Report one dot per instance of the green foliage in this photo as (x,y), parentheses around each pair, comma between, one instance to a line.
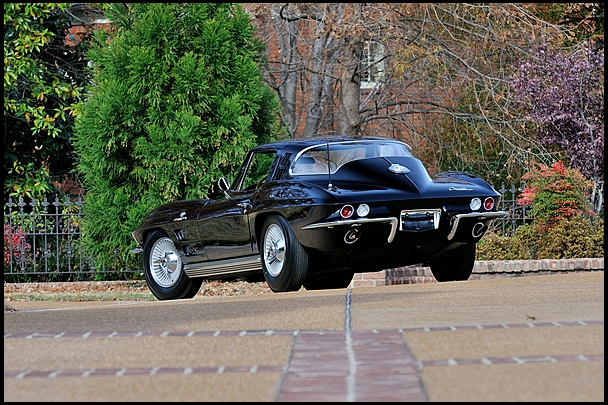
(556,193)
(42,84)
(576,237)
(498,247)
(177,100)
(466,146)
(260,166)
(28,181)
(564,225)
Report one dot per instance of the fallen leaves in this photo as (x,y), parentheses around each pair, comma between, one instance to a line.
(208,288)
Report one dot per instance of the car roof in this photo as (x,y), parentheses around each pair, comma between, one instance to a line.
(295,145)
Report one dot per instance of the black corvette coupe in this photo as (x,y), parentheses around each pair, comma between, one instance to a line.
(312,212)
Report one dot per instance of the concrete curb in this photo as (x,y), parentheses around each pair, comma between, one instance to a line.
(482,269)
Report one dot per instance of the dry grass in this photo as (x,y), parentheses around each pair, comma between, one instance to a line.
(134,290)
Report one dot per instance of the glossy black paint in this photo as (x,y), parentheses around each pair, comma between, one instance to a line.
(209,231)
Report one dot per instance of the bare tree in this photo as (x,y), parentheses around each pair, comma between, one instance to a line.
(315,68)
(440,84)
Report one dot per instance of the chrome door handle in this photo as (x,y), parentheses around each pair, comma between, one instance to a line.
(244,205)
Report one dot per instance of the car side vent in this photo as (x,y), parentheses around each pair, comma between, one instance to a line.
(283,166)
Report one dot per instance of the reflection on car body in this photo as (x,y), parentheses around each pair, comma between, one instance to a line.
(312,212)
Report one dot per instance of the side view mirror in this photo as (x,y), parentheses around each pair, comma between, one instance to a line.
(224,185)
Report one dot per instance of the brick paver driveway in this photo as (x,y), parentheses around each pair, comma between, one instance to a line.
(538,338)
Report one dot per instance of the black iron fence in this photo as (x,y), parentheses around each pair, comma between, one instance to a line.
(518,214)
(43,237)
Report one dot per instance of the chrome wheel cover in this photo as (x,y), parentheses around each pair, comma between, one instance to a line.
(274,250)
(165,265)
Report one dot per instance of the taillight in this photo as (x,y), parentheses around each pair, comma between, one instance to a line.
(363,210)
(475,204)
(347,211)
(488,203)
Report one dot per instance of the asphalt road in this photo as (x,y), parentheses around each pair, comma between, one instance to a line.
(537,338)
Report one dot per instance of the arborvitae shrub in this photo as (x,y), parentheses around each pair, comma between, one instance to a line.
(176,100)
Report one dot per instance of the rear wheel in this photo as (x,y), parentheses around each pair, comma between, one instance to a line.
(164,270)
(284,260)
(339,279)
(456,266)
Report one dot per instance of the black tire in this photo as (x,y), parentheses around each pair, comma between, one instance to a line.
(284,260)
(326,281)
(456,266)
(164,270)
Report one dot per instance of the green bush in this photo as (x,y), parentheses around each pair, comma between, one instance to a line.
(497,247)
(572,238)
(565,226)
(556,193)
(176,100)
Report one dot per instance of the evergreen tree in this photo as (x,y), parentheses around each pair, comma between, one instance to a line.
(176,101)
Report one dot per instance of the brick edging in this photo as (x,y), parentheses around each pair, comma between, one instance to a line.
(421,274)
(482,269)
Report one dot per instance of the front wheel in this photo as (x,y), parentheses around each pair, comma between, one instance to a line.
(457,265)
(284,260)
(164,270)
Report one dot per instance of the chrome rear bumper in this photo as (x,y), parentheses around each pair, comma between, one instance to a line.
(478,216)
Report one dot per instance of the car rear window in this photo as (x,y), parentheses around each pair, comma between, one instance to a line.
(314,160)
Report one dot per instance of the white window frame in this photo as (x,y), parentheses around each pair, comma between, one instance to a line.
(372,64)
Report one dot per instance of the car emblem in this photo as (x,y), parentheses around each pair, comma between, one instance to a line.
(398,169)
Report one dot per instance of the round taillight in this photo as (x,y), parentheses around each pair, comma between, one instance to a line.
(347,211)
(363,210)
(488,203)
(475,204)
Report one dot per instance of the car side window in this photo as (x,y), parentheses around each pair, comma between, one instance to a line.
(314,161)
(258,170)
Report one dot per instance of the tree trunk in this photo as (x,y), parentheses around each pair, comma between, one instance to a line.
(288,81)
(349,119)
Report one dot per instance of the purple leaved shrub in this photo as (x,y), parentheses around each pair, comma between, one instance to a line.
(563,93)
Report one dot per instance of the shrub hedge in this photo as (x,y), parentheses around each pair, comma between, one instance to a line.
(571,238)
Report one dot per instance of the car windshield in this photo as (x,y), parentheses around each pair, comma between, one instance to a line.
(314,159)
